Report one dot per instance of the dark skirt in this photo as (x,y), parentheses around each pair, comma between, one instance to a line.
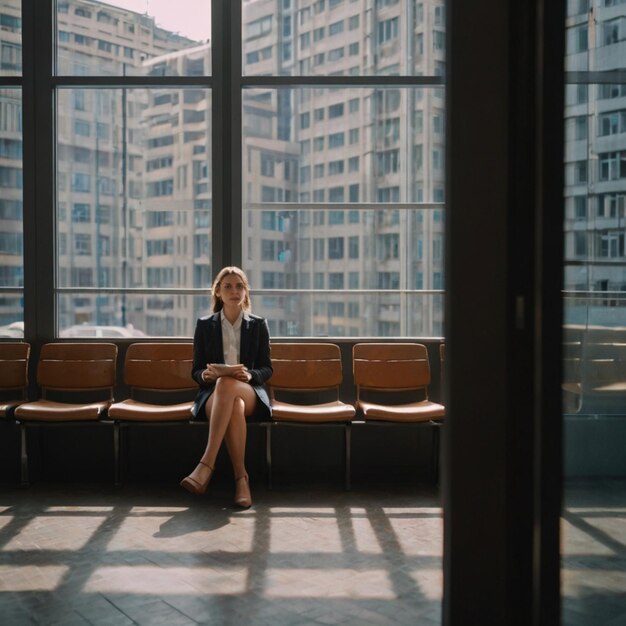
(262,411)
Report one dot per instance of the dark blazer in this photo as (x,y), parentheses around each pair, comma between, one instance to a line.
(254,354)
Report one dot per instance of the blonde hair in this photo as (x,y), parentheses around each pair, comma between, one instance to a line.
(217,304)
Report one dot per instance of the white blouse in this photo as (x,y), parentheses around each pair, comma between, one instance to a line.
(231,338)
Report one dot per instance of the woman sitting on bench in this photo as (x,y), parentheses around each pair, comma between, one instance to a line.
(231,362)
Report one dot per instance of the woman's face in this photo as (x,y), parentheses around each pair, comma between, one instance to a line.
(231,290)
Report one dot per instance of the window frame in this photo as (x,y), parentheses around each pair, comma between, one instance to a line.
(40,86)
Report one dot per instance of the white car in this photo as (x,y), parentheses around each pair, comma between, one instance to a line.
(86,330)
(14,330)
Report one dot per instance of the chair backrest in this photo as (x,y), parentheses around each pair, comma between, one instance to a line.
(159,366)
(305,366)
(14,365)
(390,366)
(77,366)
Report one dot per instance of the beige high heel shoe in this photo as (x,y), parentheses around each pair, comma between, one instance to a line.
(243,498)
(193,484)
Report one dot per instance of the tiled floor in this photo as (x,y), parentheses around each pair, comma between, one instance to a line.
(144,555)
(593,533)
(70,554)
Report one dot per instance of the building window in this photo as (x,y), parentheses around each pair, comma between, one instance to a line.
(335,218)
(335,28)
(580,172)
(258,28)
(336,140)
(580,244)
(611,244)
(335,110)
(611,123)
(335,168)
(388,30)
(335,247)
(81,213)
(387,161)
(82,244)
(318,249)
(335,280)
(612,165)
(336,194)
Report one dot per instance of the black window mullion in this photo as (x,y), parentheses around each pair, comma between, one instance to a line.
(226,128)
(38,124)
(235,209)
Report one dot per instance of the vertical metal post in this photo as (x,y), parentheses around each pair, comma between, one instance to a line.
(116,453)
(348,454)
(23,456)
(268,453)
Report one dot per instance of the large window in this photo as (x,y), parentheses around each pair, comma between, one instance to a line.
(335,186)
(348,180)
(141,188)
(133,169)
(594,334)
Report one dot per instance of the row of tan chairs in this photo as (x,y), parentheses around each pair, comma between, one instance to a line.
(77,380)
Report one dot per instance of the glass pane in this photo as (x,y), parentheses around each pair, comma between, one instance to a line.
(595,35)
(343,38)
(147,315)
(336,197)
(134,38)
(10,37)
(11,223)
(594,334)
(134,202)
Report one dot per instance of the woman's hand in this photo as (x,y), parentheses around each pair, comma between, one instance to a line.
(239,372)
(242,374)
(209,375)
(214,371)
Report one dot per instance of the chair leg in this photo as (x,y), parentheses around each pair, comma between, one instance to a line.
(268,453)
(116,453)
(23,456)
(348,453)
(435,453)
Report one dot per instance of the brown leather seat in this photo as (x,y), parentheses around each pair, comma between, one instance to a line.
(397,369)
(156,369)
(392,368)
(74,368)
(84,373)
(306,370)
(13,376)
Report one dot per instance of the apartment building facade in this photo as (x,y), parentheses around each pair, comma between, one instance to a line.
(342,215)
(595,174)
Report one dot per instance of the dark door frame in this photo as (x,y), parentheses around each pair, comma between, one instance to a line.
(502,437)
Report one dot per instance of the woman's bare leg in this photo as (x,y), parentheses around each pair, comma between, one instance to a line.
(228,405)
(235,439)
(231,399)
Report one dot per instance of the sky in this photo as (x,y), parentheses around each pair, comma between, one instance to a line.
(191,18)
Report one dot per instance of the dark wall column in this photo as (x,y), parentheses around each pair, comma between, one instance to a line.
(39,195)
(502,312)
